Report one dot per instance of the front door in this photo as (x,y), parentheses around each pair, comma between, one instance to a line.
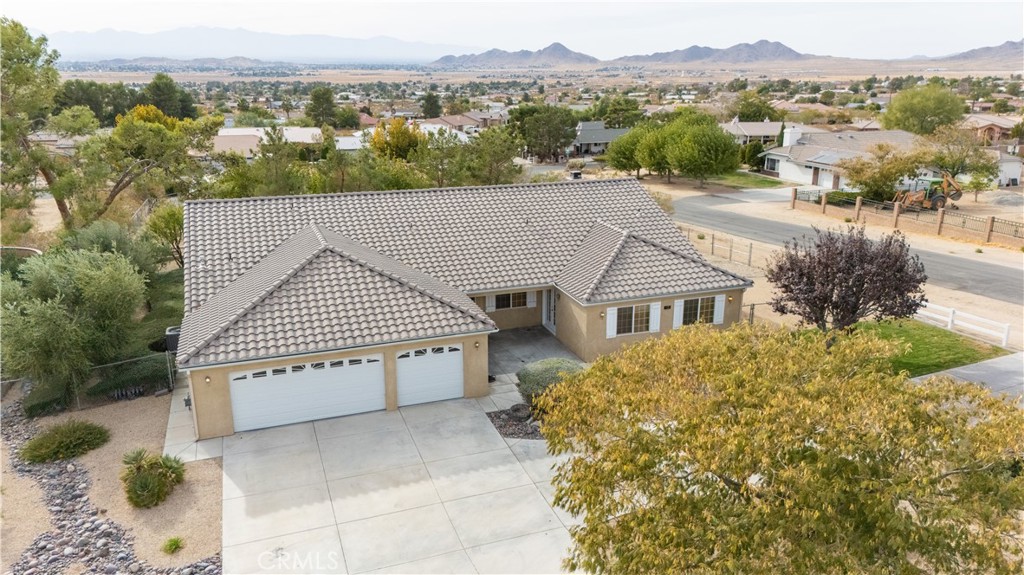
(549,310)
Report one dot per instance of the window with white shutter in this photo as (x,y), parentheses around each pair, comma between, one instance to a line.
(611,322)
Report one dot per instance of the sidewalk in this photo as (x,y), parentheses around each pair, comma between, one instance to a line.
(1002,375)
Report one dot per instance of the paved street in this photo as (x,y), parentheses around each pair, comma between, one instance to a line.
(990,280)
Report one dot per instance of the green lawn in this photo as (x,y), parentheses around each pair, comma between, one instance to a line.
(742,180)
(932,348)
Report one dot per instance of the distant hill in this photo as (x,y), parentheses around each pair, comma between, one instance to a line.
(1007,50)
(554,55)
(234,63)
(205,42)
(760,51)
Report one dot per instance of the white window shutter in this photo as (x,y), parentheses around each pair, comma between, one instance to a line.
(677,314)
(719,309)
(531,299)
(610,317)
(489,303)
(655,317)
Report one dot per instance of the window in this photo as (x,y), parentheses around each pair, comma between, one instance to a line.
(338,363)
(355,362)
(771,164)
(695,310)
(317,365)
(279,371)
(259,374)
(298,368)
(633,319)
(510,300)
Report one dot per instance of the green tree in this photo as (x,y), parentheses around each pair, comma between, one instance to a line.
(827,97)
(321,108)
(431,105)
(110,237)
(549,131)
(835,279)
(622,152)
(164,93)
(441,156)
(652,151)
(923,109)
(752,155)
(490,156)
(958,151)
(167,225)
(758,450)
(287,106)
(618,112)
(703,151)
(876,176)
(750,107)
(346,117)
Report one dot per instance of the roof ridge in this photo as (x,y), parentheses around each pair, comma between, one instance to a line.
(563,183)
(259,297)
(608,262)
(671,250)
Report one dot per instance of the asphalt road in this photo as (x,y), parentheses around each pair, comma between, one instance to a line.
(988,280)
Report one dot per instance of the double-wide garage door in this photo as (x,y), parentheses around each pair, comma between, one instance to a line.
(324,389)
(307,391)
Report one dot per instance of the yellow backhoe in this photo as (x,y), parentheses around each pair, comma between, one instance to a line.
(931,193)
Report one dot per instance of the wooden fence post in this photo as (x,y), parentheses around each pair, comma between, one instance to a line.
(938,221)
(988,228)
(896,215)
(856,209)
(824,201)
(792,199)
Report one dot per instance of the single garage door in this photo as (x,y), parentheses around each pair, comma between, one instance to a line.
(429,374)
(307,391)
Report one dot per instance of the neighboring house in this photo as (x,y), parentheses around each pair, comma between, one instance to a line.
(765,132)
(990,127)
(1009,167)
(306,307)
(593,138)
(246,141)
(867,125)
(366,120)
(458,122)
(435,128)
(490,118)
(811,158)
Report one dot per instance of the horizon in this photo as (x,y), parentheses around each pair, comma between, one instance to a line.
(638,28)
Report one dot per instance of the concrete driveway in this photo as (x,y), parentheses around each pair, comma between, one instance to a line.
(426,489)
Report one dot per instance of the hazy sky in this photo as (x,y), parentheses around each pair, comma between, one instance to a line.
(602,29)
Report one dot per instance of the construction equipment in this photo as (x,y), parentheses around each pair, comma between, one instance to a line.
(930,193)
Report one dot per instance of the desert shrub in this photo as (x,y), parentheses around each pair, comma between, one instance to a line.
(536,377)
(576,164)
(148,478)
(173,545)
(64,441)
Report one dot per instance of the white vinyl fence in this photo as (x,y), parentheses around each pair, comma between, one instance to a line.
(950,319)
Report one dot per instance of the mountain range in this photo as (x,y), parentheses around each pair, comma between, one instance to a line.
(235,45)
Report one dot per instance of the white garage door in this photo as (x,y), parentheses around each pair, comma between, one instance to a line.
(429,374)
(307,391)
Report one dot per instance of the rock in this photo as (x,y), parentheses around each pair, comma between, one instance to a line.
(50,547)
(186,571)
(101,543)
(134,568)
(41,545)
(70,468)
(83,542)
(110,569)
(102,552)
(210,569)
(69,551)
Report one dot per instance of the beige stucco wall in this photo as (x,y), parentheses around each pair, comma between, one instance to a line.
(583,329)
(211,391)
(514,317)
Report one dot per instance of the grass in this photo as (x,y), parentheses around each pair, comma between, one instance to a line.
(173,545)
(932,348)
(64,441)
(744,180)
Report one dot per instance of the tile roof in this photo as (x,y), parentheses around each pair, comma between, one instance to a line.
(763,129)
(320,291)
(474,239)
(614,264)
(829,148)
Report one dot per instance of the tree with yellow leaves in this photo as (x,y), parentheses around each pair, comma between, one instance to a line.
(395,138)
(760,450)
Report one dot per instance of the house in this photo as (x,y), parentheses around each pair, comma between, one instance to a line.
(593,138)
(765,132)
(989,127)
(812,158)
(457,122)
(490,118)
(867,125)
(246,141)
(1009,166)
(315,306)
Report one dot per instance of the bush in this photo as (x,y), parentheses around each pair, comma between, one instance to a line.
(107,236)
(149,373)
(535,378)
(64,441)
(840,198)
(148,479)
(173,545)
(45,398)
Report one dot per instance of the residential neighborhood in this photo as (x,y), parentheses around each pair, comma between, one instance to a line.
(282,298)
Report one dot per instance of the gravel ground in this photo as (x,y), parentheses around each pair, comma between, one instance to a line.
(508,425)
(23,516)
(93,529)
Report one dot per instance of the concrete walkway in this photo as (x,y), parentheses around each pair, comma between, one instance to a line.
(1002,375)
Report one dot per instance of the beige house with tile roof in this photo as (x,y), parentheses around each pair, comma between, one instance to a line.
(308,307)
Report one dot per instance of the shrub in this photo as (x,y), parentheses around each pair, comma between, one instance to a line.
(149,373)
(173,545)
(535,378)
(148,478)
(840,198)
(700,236)
(64,441)
(576,164)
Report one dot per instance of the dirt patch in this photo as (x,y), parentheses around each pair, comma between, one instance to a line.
(508,425)
(23,513)
(45,215)
(193,510)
